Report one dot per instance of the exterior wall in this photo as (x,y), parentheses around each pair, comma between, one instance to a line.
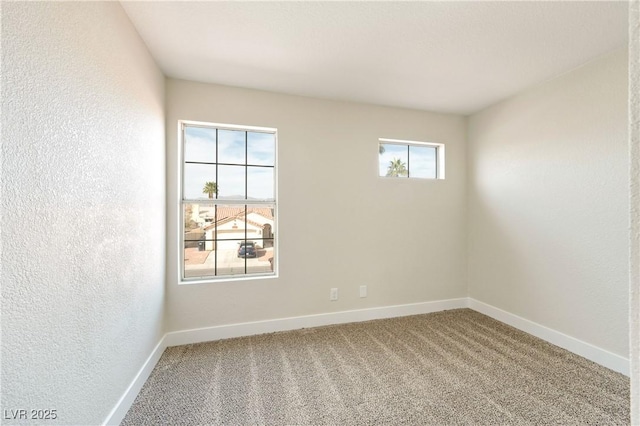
(227,232)
(340,225)
(548,204)
(83,223)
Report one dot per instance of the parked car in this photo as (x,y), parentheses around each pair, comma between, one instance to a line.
(247,249)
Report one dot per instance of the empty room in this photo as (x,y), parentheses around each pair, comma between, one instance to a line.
(337,213)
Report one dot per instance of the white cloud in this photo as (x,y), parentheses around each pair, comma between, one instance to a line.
(200,146)
(231,146)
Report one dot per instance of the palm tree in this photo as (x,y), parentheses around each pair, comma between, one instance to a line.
(210,188)
(397,168)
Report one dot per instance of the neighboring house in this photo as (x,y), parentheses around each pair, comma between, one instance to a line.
(231,225)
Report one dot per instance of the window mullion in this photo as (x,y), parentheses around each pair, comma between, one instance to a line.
(246,194)
(217,160)
(215,239)
(408,161)
(224,201)
(214,219)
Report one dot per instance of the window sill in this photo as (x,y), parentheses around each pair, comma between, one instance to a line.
(215,280)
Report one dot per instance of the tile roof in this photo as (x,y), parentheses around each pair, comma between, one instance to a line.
(227,213)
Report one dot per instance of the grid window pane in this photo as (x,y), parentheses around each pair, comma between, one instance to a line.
(422,161)
(230,223)
(261,149)
(393,160)
(199,259)
(265,258)
(229,262)
(231,182)
(200,144)
(260,183)
(231,146)
(199,180)
(195,216)
(261,220)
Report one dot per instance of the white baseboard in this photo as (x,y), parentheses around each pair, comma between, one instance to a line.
(126,400)
(578,347)
(207,334)
(184,337)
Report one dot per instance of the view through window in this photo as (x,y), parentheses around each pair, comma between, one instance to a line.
(407,159)
(228,201)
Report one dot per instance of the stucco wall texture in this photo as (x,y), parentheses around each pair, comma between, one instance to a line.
(548,204)
(83,205)
(634,196)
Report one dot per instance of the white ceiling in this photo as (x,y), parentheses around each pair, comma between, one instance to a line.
(442,56)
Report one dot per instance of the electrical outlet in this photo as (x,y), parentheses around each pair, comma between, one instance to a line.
(333,294)
(363,291)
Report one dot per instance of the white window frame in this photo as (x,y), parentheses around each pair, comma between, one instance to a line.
(184,201)
(440,157)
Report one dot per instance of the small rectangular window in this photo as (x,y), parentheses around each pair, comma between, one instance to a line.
(228,201)
(410,159)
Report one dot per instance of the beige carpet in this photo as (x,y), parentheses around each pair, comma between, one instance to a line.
(455,367)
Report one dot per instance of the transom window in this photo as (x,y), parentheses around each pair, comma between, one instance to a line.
(228,201)
(410,159)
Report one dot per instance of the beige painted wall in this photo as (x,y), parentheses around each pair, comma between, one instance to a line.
(340,225)
(82,208)
(634,195)
(548,204)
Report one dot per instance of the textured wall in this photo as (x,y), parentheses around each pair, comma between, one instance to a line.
(548,204)
(83,219)
(634,252)
(340,224)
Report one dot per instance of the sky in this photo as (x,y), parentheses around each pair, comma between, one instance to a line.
(420,160)
(200,145)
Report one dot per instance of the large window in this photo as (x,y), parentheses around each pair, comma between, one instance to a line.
(409,159)
(228,201)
